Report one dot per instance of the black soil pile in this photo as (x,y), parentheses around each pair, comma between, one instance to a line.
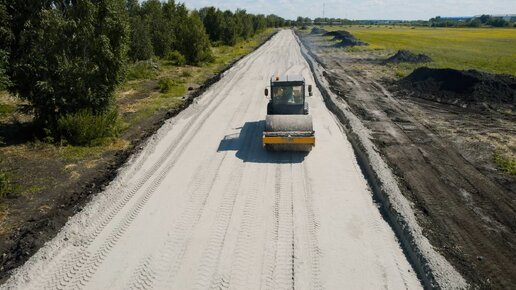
(468,89)
(407,56)
(317,30)
(345,38)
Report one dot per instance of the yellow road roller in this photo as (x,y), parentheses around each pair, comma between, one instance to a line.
(288,125)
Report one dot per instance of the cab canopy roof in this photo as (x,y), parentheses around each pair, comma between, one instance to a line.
(287,78)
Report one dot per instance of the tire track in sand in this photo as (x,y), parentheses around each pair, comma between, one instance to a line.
(169,262)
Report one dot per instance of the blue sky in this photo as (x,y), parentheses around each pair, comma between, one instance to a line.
(364,9)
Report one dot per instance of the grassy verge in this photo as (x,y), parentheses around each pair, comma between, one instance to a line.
(487,49)
(505,161)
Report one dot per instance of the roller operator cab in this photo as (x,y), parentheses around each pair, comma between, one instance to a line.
(288,125)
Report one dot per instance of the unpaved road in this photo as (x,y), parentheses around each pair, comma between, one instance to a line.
(204,206)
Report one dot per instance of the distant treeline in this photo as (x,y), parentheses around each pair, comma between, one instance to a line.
(66,58)
(481,21)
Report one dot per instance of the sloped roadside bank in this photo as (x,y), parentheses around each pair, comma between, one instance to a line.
(21,244)
(433,269)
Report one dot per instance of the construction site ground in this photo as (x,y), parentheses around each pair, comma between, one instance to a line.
(444,159)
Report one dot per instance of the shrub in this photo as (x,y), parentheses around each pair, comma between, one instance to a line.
(87,128)
(505,162)
(5,183)
(142,70)
(176,58)
(165,85)
(175,87)
(186,74)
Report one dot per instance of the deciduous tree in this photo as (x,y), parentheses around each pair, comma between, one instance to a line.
(5,38)
(67,56)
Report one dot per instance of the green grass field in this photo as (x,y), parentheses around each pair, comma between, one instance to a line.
(487,49)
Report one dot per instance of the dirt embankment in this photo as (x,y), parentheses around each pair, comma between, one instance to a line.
(408,56)
(468,89)
(441,150)
(343,38)
(317,30)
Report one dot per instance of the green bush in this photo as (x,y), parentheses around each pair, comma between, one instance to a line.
(176,58)
(142,70)
(5,183)
(186,74)
(165,85)
(505,162)
(87,128)
(6,109)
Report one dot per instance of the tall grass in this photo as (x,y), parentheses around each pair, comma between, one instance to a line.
(505,161)
(86,128)
(5,183)
(142,70)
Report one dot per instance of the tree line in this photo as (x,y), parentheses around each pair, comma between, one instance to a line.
(482,21)
(67,57)
(226,27)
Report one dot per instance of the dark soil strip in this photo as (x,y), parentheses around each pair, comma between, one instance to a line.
(393,218)
(467,88)
(408,56)
(27,240)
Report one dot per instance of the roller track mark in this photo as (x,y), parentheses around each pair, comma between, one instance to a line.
(271,244)
(220,283)
(169,262)
(176,243)
(218,232)
(283,271)
(175,247)
(279,270)
(143,276)
(248,233)
(211,257)
(311,230)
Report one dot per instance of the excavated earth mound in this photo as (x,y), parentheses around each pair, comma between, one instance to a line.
(468,89)
(317,30)
(345,38)
(407,56)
